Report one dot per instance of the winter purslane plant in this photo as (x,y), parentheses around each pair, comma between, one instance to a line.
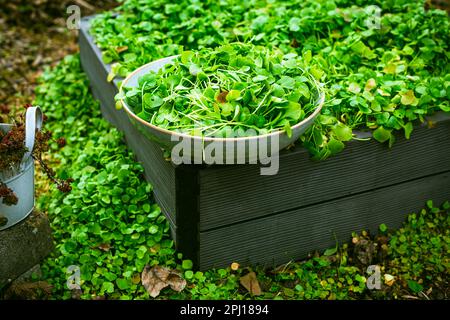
(386,63)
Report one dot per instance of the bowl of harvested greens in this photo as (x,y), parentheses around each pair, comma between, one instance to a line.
(238,101)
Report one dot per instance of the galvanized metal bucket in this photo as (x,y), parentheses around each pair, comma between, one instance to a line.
(21,179)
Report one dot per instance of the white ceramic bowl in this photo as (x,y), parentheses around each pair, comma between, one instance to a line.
(240,150)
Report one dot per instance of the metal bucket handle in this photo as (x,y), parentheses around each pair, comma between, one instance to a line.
(33,121)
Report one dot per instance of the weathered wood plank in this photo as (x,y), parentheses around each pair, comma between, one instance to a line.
(292,235)
(238,193)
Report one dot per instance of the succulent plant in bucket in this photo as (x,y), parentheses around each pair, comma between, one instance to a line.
(21,143)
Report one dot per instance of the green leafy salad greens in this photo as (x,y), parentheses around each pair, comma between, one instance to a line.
(385,63)
(232,90)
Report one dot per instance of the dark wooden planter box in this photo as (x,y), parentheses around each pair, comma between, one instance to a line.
(230,213)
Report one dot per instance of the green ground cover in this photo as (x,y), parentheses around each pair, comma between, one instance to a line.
(110,226)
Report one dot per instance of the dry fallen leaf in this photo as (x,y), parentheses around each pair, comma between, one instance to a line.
(104,247)
(389,279)
(152,283)
(234,266)
(221,97)
(161,272)
(157,278)
(121,49)
(175,281)
(250,283)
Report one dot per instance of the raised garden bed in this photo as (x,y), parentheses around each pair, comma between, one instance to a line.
(222,214)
